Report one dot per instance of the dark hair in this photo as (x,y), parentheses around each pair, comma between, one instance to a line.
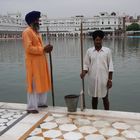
(97,33)
(32,16)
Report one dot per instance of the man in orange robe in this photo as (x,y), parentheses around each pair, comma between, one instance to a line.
(37,72)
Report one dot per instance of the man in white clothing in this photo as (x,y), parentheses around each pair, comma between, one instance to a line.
(99,66)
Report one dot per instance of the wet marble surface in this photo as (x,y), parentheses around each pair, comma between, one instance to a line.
(85,127)
(55,123)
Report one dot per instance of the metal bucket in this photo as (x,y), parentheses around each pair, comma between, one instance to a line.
(71,102)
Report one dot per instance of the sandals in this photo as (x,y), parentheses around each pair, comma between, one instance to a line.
(33,111)
(43,106)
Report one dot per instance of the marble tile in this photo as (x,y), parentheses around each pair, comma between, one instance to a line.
(52,133)
(48,125)
(76,116)
(33,118)
(3,121)
(57,139)
(117,138)
(109,132)
(9,117)
(93,118)
(137,127)
(63,120)
(120,125)
(36,131)
(112,125)
(73,136)
(84,127)
(81,122)
(2,128)
(67,127)
(35,138)
(11,122)
(87,129)
(49,118)
(57,115)
(13,106)
(131,134)
(17,131)
(101,123)
(95,137)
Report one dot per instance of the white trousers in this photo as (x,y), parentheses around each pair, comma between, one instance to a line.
(36,99)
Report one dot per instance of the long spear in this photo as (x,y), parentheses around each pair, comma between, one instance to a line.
(83,85)
(51,67)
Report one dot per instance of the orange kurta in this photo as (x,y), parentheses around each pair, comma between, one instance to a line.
(36,62)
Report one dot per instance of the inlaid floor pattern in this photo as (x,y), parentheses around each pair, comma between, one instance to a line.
(58,126)
(9,117)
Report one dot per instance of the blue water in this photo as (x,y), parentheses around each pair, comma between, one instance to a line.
(124,96)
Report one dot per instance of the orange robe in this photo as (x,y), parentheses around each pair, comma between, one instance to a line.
(36,62)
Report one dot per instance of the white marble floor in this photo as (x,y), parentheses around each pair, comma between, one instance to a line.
(9,117)
(85,127)
(55,123)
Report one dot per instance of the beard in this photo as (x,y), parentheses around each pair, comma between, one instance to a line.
(36,27)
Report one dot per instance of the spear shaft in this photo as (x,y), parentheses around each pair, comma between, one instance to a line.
(51,68)
(83,85)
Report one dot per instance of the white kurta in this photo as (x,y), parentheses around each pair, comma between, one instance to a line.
(98,64)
